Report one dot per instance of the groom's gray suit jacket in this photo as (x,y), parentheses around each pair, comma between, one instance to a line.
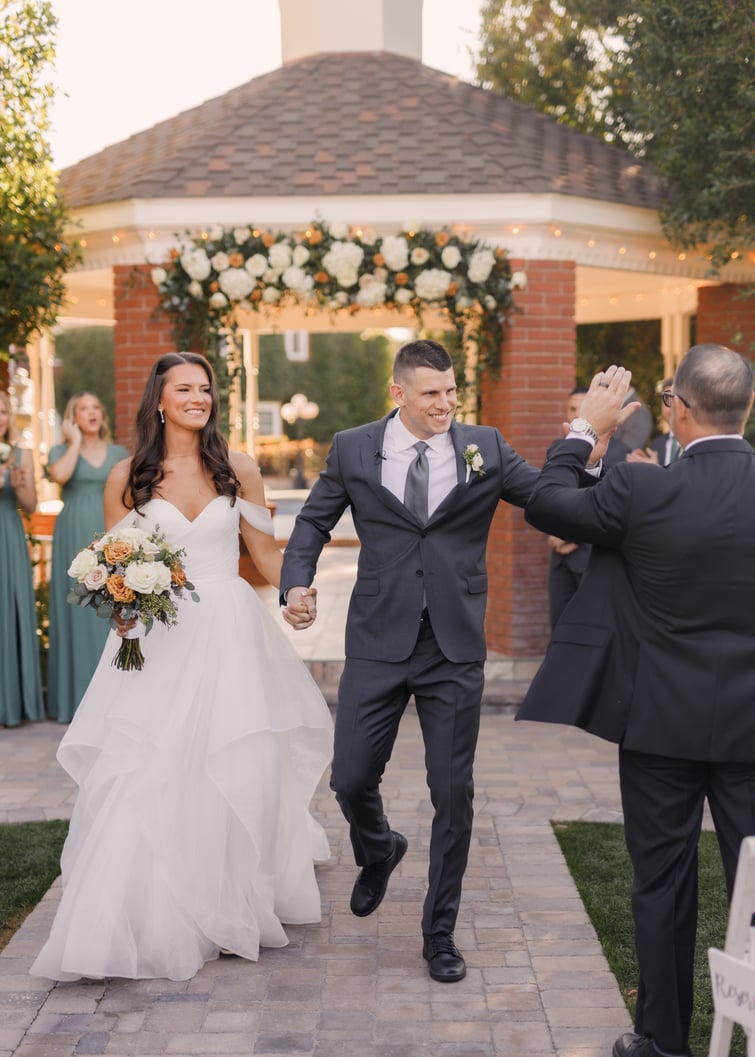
(402,563)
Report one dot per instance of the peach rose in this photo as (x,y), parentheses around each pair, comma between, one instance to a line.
(315,238)
(452,289)
(117,551)
(322,277)
(378,260)
(177,575)
(441,238)
(118,590)
(255,295)
(268,239)
(236,260)
(214,287)
(401,278)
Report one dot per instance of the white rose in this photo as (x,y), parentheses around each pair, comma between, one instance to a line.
(83,564)
(195,289)
(480,265)
(96,579)
(381,274)
(240,235)
(162,580)
(216,232)
(141,577)
(297,279)
(343,257)
(196,263)
(341,298)
(218,300)
(339,230)
(149,548)
(450,256)
(347,277)
(368,237)
(236,283)
(489,302)
(219,261)
(158,275)
(477,462)
(256,265)
(410,225)
(518,280)
(396,252)
(270,275)
(132,534)
(300,255)
(372,293)
(432,284)
(419,255)
(280,256)
(403,295)
(270,295)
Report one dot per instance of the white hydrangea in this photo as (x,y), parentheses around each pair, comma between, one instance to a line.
(396,252)
(489,302)
(218,300)
(381,274)
(339,230)
(480,265)
(216,232)
(280,256)
(219,261)
(256,265)
(432,284)
(450,256)
(347,277)
(341,298)
(270,295)
(270,276)
(297,279)
(236,283)
(403,295)
(158,275)
(240,235)
(300,255)
(368,237)
(518,280)
(195,263)
(343,256)
(419,255)
(196,290)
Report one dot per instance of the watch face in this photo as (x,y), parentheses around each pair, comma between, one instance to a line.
(580,425)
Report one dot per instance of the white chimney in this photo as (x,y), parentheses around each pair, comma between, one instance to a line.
(310,27)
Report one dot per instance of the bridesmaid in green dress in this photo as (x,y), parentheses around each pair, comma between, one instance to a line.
(81,467)
(20,683)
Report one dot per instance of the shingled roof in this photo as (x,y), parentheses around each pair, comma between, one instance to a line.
(358,124)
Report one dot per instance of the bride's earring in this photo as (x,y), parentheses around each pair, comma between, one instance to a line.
(161,413)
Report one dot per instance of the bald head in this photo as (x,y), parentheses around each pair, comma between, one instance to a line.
(717,384)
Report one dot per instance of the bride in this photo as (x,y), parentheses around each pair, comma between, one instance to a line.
(191,831)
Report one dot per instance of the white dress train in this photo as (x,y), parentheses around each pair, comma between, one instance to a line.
(191,829)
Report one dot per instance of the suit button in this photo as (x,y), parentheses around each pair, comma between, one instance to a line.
(419,572)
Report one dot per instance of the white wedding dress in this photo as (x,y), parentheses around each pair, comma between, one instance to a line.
(191,829)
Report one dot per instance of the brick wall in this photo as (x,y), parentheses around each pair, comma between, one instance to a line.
(527,404)
(139,338)
(723,318)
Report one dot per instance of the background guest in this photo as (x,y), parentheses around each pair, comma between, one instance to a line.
(20,683)
(81,467)
(665,448)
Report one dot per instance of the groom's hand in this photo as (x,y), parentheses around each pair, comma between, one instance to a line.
(300,610)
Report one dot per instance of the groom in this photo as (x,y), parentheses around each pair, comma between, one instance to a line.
(423,490)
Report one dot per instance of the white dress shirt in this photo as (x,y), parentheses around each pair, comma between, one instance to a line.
(399,452)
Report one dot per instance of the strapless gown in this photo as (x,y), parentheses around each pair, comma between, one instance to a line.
(191,829)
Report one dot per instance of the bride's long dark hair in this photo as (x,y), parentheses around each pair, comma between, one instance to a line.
(147,471)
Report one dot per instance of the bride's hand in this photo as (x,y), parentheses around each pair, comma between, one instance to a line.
(300,610)
(124,626)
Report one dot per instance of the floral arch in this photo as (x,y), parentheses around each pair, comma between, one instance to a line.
(339,270)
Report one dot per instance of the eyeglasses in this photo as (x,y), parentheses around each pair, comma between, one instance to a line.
(667,396)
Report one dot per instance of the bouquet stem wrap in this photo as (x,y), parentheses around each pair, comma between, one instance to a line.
(129,657)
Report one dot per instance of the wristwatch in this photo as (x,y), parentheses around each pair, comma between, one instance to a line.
(583,428)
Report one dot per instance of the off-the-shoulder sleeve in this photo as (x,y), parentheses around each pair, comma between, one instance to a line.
(258,517)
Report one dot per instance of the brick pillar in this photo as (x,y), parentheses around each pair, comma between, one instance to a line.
(138,340)
(527,404)
(725,318)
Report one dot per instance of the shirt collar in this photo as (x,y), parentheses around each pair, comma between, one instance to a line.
(714,436)
(398,437)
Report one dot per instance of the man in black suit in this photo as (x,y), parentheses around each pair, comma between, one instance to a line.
(658,654)
(665,448)
(415,622)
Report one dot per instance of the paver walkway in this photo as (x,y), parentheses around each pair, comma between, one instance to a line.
(538,984)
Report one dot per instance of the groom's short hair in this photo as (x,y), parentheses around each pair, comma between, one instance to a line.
(420,353)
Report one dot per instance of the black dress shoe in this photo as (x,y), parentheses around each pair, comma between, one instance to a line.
(632,1045)
(444,962)
(372,882)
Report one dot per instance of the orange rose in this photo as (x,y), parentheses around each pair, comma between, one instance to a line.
(378,260)
(453,288)
(255,295)
(118,590)
(315,237)
(500,253)
(173,254)
(268,239)
(177,575)
(401,278)
(236,260)
(117,551)
(441,239)
(214,287)
(322,277)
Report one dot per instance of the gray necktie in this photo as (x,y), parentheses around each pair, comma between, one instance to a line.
(417,480)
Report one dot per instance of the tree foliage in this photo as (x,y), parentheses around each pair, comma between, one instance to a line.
(34,250)
(672,80)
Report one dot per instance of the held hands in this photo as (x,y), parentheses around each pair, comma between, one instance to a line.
(562,547)
(648,455)
(300,610)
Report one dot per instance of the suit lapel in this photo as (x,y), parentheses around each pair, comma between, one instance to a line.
(458,493)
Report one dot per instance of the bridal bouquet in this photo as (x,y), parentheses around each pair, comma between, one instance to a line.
(130,574)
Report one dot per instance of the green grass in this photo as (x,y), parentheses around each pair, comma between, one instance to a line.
(29,863)
(597,858)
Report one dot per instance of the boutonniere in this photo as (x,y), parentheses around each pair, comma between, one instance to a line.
(473,458)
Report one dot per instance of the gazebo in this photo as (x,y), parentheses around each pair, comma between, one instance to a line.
(353,128)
